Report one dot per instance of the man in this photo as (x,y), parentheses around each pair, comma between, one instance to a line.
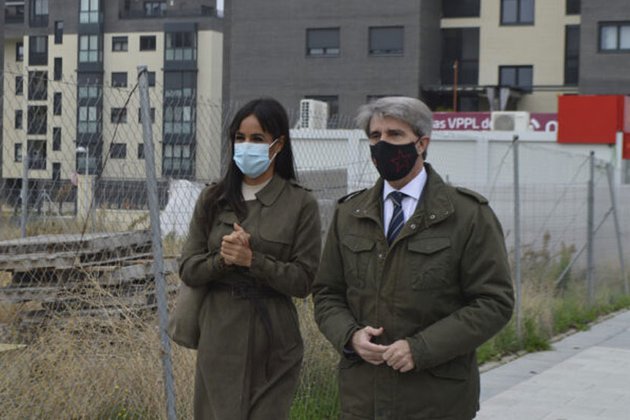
(413,278)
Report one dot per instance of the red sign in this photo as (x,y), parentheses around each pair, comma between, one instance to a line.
(625,153)
(480,121)
(590,118)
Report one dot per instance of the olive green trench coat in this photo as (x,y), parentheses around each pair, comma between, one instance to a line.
(444,285)
(250,349)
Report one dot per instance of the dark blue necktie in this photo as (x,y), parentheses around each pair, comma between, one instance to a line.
(398,219)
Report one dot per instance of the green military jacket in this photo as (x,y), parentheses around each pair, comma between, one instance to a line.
(443,285)
(250,349)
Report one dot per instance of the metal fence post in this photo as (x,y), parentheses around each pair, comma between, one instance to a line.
(517,239)
(24,193)
(158,257)
(613,200)
(589,233)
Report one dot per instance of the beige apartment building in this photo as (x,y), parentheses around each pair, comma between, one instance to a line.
(70,102)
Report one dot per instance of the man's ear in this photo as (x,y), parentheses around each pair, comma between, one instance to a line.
(422,144)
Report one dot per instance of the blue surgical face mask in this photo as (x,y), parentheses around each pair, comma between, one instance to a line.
(253,158)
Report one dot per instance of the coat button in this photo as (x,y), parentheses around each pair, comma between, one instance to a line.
(432,216)
(357,211)
(380,255)
(413,226)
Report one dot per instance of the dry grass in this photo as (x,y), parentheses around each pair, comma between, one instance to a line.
(80,367)
(85,368)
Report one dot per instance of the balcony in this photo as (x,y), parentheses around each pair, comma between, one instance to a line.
(14,12)
(205,11)
(38,21)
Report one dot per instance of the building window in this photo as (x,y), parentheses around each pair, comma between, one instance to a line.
(147,43)
(119,115)
(181,46)
(17,152)
(56,171)
(517,12)
(571,54)
(573,7)
(18,119)
(322,42)
(154,8)
(119,79)
(179,103)
(37,50)
(460,8)
(176,159)
(118,151)
(57,69)
(614,36)
(89,50)
(56,143)
(19,51)
(37,119)
(19,85)
(140,151)
(57,103)
(179,119)
(460,45)
(36,150)
(58,31)
(90,92)
(37,85)
(386,40)
(89,11)
(152,112)
(516,77)
(179,85)
(89,119)
(39,12)
(119,43)
(333,108)
(151,78)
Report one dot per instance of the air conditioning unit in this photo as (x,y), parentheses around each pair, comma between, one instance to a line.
(510,121)
(313,114)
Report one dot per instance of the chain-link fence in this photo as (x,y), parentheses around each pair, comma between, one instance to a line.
(79,316)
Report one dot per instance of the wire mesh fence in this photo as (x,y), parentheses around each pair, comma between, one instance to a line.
(78,304)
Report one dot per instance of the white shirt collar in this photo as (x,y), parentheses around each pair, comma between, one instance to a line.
(412,189)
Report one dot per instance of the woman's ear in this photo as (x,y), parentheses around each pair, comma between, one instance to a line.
(279,144)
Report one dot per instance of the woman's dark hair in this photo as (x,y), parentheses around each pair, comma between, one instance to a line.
(274,120)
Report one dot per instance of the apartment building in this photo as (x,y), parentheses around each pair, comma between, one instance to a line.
(69,70)
(477,55)
(605,47)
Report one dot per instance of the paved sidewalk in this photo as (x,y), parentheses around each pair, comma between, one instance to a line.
(585,377)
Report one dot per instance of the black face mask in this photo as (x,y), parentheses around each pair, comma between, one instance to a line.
(393,161)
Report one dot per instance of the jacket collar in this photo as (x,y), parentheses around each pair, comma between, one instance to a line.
(434,206)
(268,195)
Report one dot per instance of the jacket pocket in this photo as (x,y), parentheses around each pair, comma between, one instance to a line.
(358,249)
(275,239)
(432,263)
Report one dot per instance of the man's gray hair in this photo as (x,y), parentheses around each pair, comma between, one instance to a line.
(410,110)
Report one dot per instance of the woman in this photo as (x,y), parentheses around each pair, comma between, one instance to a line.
(254,241)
